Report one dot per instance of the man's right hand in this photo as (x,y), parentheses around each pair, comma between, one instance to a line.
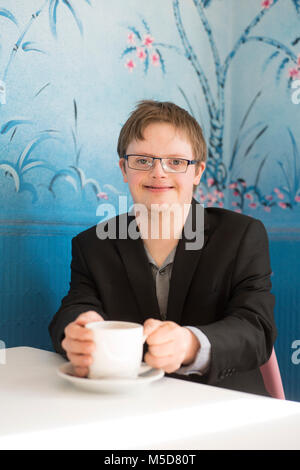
(78,342)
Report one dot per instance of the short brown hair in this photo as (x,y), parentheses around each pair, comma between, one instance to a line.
(150,111)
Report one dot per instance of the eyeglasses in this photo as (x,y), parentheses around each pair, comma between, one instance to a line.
(169,165)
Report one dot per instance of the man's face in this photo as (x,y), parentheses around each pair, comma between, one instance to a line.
(157,186)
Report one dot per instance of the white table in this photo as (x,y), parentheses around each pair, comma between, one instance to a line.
(39,410)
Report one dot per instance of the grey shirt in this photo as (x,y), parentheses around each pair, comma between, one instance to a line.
(162,277)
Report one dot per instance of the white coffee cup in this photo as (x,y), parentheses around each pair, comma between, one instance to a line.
(119,349)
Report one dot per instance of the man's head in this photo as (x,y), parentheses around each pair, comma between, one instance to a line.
(165,130)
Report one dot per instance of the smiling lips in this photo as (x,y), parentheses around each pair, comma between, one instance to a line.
(159,188)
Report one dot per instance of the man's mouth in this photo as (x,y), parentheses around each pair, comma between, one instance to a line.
(158,187)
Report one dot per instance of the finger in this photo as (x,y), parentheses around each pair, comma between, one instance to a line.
(80,360)
(79,333)
(81,371)
(164,334)
(151,325)
(78,347)
(165,363)
(88,317)
(162,350)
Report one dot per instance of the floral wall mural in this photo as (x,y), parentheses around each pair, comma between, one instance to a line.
(71,71)
(56,40)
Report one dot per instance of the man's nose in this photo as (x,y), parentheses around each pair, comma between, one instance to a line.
(157,169)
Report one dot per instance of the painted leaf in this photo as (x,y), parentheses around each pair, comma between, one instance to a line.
(76,18)
(7,14)
(53,16)
(6,166)
(11,124)
(29,46)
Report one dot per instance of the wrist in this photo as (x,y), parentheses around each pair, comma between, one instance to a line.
(192,349)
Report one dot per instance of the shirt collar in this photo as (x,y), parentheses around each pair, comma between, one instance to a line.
(169,259)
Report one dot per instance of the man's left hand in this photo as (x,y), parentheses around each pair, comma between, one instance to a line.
(170,346)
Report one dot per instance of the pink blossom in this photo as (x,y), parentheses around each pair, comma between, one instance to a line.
(148,40)
(155,59)
(102,195)
(232,185)
(221,194)
(269,197)
(283,205)
(130,38)
(235,193)
(280,195)
(249,196)
(276,190)
(267,209)
(243,183)
(130,65)
(234,203)
(238,210)
(141,53)
(294,73)
(297,198)
(253,205)
(210,181)
(221,204)
(266,3)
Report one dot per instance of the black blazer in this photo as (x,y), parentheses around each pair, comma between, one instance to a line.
(223,288)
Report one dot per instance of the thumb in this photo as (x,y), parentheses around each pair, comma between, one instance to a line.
(150,326)
(88,317)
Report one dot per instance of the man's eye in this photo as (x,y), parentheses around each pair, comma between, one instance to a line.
(142,161)
(176,162)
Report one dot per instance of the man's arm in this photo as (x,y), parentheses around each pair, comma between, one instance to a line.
(243,339)
(82,297)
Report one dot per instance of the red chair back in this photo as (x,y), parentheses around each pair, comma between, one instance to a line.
(272,378)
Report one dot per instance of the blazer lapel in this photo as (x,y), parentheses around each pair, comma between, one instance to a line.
(138,269)
(185,264)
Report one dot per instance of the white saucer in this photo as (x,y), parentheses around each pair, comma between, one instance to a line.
(145,377)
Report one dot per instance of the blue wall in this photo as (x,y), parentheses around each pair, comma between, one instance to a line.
(74,70)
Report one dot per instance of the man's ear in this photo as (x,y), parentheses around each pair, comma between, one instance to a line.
(122,165)
(198,173)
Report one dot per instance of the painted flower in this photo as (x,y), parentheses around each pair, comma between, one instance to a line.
(249,196)
(235,193)
(234,203)
(294,73)
(221,204)
(253,205)
(297,198)
(210,181)
(267,208)
(282,205)
(148,40)
(130,65)
(102,195)
(269,197)
(238,210)
(141,53)
(266,3)
(280,195)
(232,185)
(130,38)
(155,59)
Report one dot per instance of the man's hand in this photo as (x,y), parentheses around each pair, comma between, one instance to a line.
(78,342)
(169,345)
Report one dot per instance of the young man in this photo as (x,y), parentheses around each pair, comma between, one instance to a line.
(207,310)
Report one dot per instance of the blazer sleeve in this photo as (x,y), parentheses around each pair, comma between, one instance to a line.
(242,340)
(82,297)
